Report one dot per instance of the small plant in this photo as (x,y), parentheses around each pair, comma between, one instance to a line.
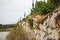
(30,22)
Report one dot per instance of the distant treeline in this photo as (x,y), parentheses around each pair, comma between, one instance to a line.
(7,26)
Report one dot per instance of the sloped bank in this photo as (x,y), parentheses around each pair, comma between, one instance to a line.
(48,30)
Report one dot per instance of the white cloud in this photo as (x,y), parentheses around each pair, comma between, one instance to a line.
(11,10)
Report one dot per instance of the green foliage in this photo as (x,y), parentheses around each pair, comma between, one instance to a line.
(24,19)
(30,22)
(55,2)
(44,8)
(32,28)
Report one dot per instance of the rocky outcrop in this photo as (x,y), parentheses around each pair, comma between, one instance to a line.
(49,27)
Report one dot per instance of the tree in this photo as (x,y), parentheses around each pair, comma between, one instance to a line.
(40,8)
(56,3)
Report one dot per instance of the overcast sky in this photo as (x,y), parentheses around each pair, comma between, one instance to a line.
(12,10)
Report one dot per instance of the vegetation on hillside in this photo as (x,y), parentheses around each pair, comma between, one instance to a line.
(41,7)
(18,34)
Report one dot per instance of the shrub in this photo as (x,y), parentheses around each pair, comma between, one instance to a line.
(18,34)
(30,22)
